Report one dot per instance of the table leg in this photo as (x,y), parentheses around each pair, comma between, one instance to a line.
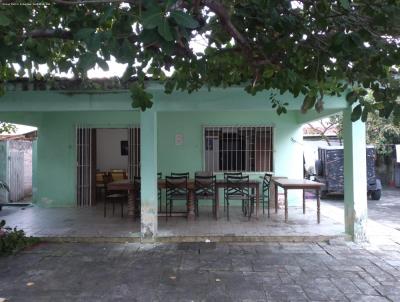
(276,198)
(304,202)
(269,198)
(190,206)
(216,204)
(131,203)
(257,199)
(318,207)
(286,206)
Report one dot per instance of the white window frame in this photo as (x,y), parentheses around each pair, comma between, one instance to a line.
(235,128)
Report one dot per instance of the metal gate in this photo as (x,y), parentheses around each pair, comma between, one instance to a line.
(86,166)
(84,175)
(16,175)
(133,152)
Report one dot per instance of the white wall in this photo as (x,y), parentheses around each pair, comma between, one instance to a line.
(109,149)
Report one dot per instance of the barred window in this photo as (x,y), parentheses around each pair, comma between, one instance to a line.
(246,149)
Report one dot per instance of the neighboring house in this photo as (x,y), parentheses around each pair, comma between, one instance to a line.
(16,160)
(218,130)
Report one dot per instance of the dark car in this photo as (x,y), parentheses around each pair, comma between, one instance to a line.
(329,169)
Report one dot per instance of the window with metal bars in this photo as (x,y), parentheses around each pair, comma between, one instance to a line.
(232,148)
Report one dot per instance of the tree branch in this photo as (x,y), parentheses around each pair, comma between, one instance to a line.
(49,33)
(75,2)
(219,9)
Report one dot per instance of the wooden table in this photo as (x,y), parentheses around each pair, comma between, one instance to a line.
(127,185)
(302,184)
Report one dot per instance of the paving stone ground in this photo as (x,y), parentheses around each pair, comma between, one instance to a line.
(339,271)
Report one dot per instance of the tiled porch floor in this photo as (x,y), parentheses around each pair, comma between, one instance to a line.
(90,223)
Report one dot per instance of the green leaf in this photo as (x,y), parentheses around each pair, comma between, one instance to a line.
(126,53)
(164,29)
(345,4)
(87,61)
(364,115)
(308,103)
(351,97)
(152,18)
(103,64)
(4,20)
(2,90)
(356,114)
(184,19)
(84,33)
(141,99)
(149,36)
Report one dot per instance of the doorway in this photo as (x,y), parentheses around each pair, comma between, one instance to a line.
(104,151)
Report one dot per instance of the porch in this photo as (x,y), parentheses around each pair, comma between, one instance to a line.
(88,224)
(175,135)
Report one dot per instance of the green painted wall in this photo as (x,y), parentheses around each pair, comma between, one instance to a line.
(188,157)
(56,151)
(56,114)
(54,179)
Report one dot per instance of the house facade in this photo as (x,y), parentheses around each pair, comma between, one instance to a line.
(218,130)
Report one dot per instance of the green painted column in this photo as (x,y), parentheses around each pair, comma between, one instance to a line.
(355,178)
(148,168)
(34,171)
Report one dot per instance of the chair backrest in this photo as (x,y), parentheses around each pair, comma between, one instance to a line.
(136,183)
(159,175)
(176,185)
(203,173)
(99,177)
(237,185)
(107,179)
(205,185)
(267,181)
(227,174)
(184,174)
(118,175)
(136,180)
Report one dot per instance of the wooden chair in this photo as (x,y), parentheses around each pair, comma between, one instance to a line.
(176,188)
(238,188)
(113,197)
(226,174)
(159,176)
(205,189)
(100,186)
(265,191)
(184,174)
(118,175)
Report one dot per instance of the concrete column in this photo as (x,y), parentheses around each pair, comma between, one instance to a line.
(148,168)
(355,178)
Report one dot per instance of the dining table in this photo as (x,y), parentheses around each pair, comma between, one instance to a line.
(133,205)
(302,184)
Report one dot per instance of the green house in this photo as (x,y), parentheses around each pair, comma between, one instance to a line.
(181,132)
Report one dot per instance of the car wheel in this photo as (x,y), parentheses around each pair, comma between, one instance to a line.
(376,195)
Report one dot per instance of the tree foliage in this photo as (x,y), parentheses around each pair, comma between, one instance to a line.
(310,48)
(7,128)
(382,133)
